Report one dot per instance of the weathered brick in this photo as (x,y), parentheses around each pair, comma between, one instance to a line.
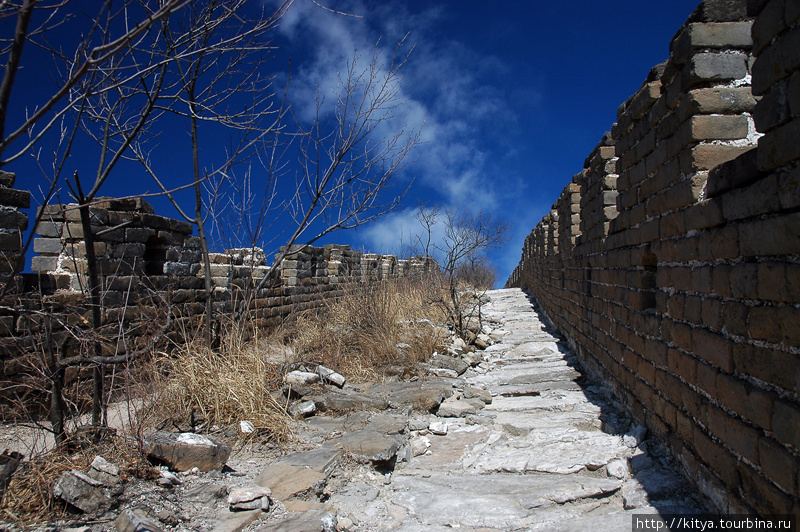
(777,61)
(713,348)
(715,67)
(15,198)
(779,147)
(11,241)
(44,263)
(11,218)
(769,23)
(786,422)
(789,188)
(772,109)
(696,36)
(737,436)
(779,235)
(755,200)
(734,317)
(780,465)
(717,100)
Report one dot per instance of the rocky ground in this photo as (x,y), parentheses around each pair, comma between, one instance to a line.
(511,437)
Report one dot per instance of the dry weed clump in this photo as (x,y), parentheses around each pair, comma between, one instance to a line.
(375,326)
(29,498)
(224,385)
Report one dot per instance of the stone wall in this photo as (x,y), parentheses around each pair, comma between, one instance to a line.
(671,262)
(147,264)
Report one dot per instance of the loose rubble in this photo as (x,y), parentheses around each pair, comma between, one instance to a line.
(512,437)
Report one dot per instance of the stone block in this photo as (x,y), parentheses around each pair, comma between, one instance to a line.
(772,109)
(697,36)
(11,241)
(185,451)
(7,179)
(48,246)
(754,200)
(777,61)
(720,11)
(779,147)
(15,198)
(714,127)
(715,67)
(44,263)
(769,23)
(773,236)
(11,218)
(786,422)
(717,100)
(139,234)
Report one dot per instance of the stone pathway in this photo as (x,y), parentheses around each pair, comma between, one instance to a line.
(548,453)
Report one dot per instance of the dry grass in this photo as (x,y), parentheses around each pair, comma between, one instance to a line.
(359,334)
(222,386)
(29,499)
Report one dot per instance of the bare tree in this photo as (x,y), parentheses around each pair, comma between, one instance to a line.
(347,159)
(465,239)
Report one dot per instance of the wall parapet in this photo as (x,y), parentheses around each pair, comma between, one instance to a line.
(677,278)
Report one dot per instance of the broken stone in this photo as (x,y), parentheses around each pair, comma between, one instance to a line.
(640,461)
(135,520)
(438,427)
(635,437)
(331,376)
(83,492)
(206,493)
(634,495)
(186,450)
(249,498)
(473,359)
(443,372)
(470,392)
(452,407)
(417,424)
(387,424)
(421,396)
(617,469)
(247,427)
(321,460)
(419,445)
(236,521)
(288,481)
(346,401)
(169,479)
(448,362)
(104,471)
(368,445)
(302,409)
(311,521)
(482,341)
(301,378)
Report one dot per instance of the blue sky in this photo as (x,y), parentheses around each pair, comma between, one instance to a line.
(513,95)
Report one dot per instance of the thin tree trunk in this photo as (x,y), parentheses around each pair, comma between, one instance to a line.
(98,403)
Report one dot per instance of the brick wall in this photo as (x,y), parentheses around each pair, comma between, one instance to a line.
(672,261)
(147,264)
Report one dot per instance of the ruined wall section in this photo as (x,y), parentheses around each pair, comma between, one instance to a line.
(682,293)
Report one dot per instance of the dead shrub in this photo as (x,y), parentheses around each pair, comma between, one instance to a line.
(222,386)
(372,327)
(29,498)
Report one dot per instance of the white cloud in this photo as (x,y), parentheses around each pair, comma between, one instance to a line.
(442,87)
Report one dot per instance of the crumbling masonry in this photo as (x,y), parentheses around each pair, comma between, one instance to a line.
(672,260)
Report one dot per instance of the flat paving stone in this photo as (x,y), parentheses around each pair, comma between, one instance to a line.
(536,458)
